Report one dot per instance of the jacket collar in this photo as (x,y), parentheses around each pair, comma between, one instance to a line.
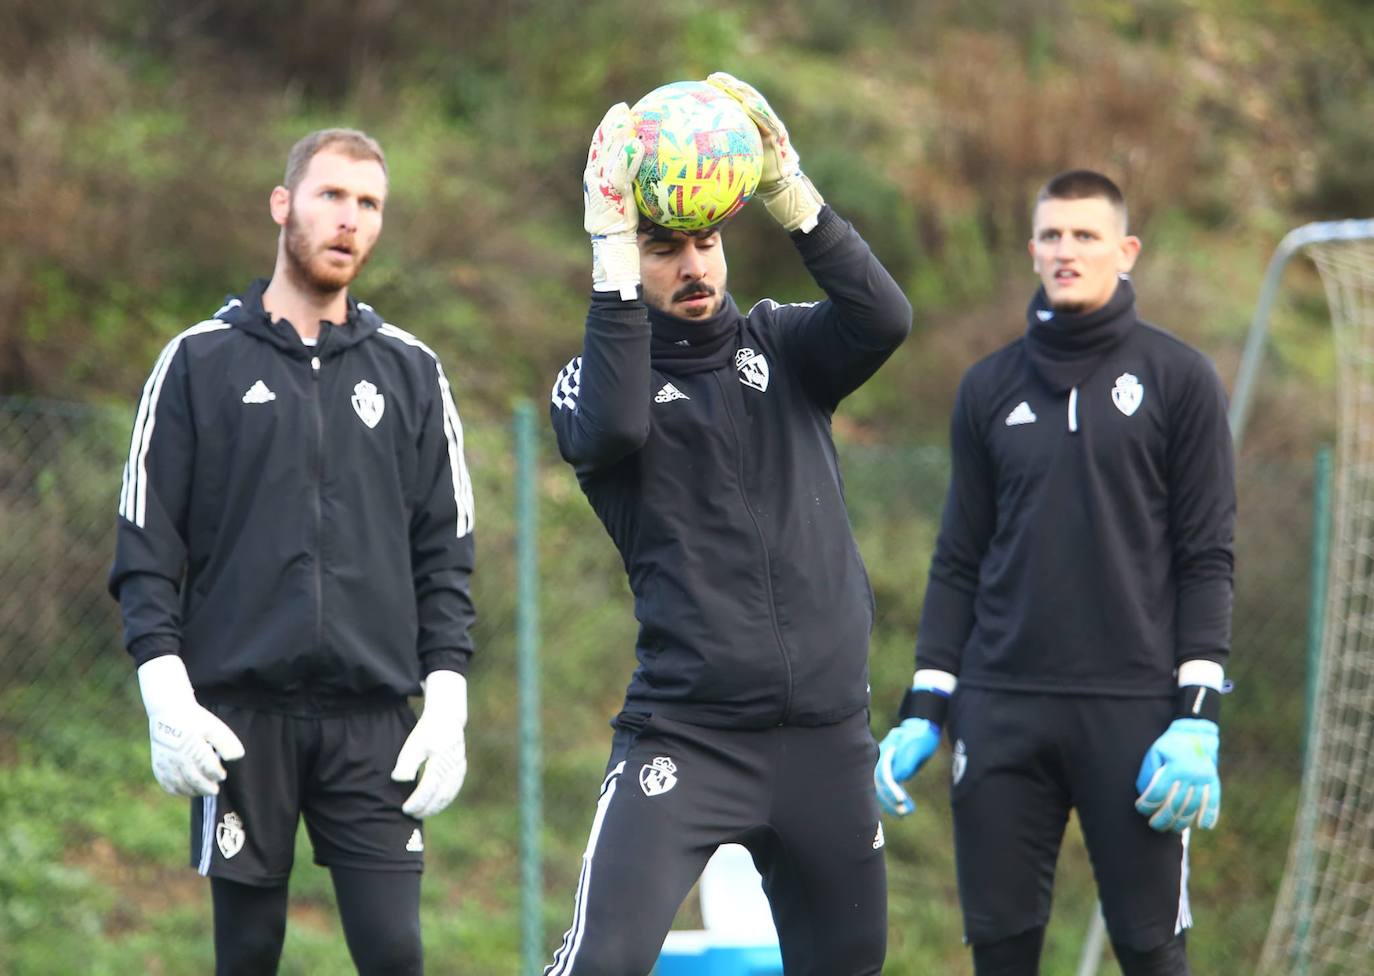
(245,312)
(1064,349)
(683,345)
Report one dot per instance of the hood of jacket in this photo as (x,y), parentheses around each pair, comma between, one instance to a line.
(246,312)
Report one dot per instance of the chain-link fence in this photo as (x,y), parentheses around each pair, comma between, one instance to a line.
(60,645)
(59,630)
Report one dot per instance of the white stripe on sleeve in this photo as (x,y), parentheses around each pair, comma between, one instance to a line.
(133,493)
(453,432)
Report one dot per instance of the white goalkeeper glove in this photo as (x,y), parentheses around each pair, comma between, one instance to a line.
(611,216)
(783,188)
(188,741)
(437,741)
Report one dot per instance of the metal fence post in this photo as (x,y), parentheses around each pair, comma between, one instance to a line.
(527,653)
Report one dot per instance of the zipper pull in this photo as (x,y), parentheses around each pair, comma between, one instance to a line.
(1073,410)
(315,366)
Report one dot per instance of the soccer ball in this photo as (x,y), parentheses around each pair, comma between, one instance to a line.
(702,155)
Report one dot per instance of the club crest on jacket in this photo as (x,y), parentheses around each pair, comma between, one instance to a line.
(753,368)
(1127,393)
(368,404)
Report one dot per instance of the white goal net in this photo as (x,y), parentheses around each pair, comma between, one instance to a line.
(1323,922)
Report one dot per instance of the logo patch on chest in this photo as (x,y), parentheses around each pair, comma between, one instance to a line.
(368,404)
(1128,393)
(753,368)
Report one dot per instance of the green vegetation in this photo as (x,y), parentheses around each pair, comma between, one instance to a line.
(142,139)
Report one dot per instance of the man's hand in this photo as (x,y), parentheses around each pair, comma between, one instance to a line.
(188,741)
(437,741)
(783,188)
(610,214)
(901,755)
(1178,782)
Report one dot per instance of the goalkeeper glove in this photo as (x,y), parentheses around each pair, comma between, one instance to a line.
(437,741)
(188,741)
(783,187)
(901,755)
(610,214)
(914,740)
(1178,782)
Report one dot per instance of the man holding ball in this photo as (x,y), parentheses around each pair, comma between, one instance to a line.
(701,437)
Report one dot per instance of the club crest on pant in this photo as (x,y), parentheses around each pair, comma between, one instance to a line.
(753,368)
(229,835)
(368,404)
(960,763)
(1127,393)
(658,777)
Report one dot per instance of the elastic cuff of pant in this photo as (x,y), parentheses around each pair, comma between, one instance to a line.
(924,703)
(1198,701)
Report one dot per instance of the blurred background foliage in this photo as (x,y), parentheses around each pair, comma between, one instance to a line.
(142,139)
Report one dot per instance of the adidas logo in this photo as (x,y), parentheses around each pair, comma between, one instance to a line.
(878,837)
(669,393)
(259,393)
(416,842)
(1023,414)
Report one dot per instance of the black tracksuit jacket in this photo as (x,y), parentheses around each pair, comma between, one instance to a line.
(715,474)
(296,520)
(1086,544)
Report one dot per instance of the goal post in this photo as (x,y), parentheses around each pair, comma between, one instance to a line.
(1323,919)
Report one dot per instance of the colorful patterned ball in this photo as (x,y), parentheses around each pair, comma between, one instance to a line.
(702,156)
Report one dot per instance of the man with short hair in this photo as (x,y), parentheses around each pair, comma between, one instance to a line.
(293,556)
(701,437)
(1077,615)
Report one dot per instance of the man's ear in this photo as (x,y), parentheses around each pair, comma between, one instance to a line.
(279,204)
(1130,250)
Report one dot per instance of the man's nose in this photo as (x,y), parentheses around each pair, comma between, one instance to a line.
(348,216)
(693,264)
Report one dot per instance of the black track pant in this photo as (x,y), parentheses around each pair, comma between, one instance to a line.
(800,799)
(1022,762)
(380,911)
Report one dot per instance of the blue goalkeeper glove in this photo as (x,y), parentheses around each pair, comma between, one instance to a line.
(901,755)
(1178,782)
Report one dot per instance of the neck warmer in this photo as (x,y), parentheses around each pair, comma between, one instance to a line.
(683,345)
(1063,348)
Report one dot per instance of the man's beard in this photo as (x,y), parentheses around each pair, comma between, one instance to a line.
(306,268)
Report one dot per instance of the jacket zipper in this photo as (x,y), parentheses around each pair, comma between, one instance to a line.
(318,473)
(1073,410)
(763,547)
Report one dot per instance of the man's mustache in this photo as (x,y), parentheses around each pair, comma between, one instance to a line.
(692,290)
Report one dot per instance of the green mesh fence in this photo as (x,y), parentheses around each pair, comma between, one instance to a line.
(90,848)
